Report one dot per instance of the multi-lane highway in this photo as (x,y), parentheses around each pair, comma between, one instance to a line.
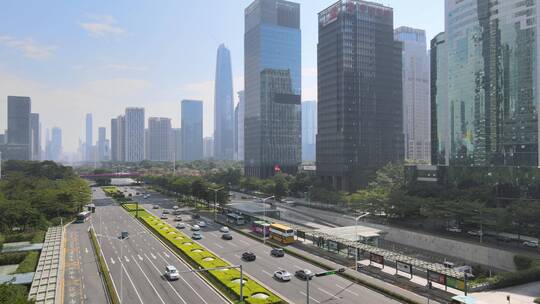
(137,264)
(330,289)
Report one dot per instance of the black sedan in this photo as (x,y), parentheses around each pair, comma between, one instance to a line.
(249,256)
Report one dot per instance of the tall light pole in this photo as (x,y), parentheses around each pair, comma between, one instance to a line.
(264,227)
(215,200)
(356,239)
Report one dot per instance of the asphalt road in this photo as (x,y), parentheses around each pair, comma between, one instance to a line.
(329,289)
(137,263)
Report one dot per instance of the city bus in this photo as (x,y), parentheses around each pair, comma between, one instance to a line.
(261,227)
(282,233)
(236,219)
(83,216)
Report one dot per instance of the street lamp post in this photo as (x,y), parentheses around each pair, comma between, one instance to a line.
(215,200)
(264,227)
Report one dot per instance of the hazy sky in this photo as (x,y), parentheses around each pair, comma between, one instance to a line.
(100,56)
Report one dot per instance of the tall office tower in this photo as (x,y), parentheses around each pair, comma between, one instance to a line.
(239,127)
(309,130)
(121,139)
(18,132)
(102,144)
(491,48)
(272,124)
(360,115)
(35,137)
(89,138)
(146,144)
(177,143)
(208,147)
(159,139)
(55,145)
(114,139)
(192,130)
(416,104)
(440,109)
(223,106)
(134,134)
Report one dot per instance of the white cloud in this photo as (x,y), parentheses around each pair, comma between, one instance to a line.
(124,67)
(28,47)
(102,25)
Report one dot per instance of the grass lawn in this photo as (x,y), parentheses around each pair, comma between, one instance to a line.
(29,263)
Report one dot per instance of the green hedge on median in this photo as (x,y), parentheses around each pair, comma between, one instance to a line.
(110,190)
(205,259)
(29,263)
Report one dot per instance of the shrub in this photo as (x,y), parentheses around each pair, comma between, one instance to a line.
(14,294)
(508,279)
(29,263)
(19,237)
(12,258)
(39,237)
(2,239)
(522,262)
(224,278)
(537,300)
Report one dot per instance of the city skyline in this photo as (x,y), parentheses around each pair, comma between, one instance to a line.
(107,83)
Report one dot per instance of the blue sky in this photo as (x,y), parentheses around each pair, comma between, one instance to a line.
(74,57)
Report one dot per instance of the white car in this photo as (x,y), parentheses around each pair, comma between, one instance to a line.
(195,228)
(178,218)
(224,229)
(202,224)
(180,226)
(474,232)
(453,229)
(166,211)
(530,244)
(282,275)
(175,207)
(171,273)
(196,236)
(163,217)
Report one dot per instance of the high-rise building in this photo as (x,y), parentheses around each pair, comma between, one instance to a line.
(35,137)
(309,130)
(89,138)
(192,130)
(159,139)
(208,147)
(223,106)
(134,134)
(118,141)
(239,127)
(54,145)
(18,132)
(360,116)
(491,48)
(272,82)
(177,143)
(416,102)
(102,144)
(114,139)
(440,109)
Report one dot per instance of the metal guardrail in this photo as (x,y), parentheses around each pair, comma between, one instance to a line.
(44,284)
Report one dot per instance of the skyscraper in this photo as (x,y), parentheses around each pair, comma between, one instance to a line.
(102,144)
(416,104)
(134,134)
(177,144)
(192,130)
(159,137)
(35,137)
(440,109)
(360,116)
(54,146)
(491,48)
(18,133)
(223,106)
(239,129)
(272,81)
(309,130)
(208,147)
(89,138)
(114,139)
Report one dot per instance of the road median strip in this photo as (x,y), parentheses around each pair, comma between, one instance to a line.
(111,291)
(227,280)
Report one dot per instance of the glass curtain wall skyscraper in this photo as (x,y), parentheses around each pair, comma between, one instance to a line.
(309,130)
(416,105)
(134,134)
(18,129)
(492,54)
(159,139)
(272,121)
(89,142)
(360,110)
(192,130)
(223,107)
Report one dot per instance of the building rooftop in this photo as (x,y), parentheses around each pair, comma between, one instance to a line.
(349,232)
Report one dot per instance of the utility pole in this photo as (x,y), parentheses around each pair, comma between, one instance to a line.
(264,228)
(215,200)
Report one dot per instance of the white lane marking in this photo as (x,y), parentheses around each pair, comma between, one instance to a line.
(153,256)
(345,289)
(218,245)
(149,282)
(267,273)
(165,254)
(140,257)
(246,243)
(169,283)
(112,260)
(237,255)
(328,293)
(296,266)
(86,250)
(212,234)
(132,284)
(127,260)
(304,294)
